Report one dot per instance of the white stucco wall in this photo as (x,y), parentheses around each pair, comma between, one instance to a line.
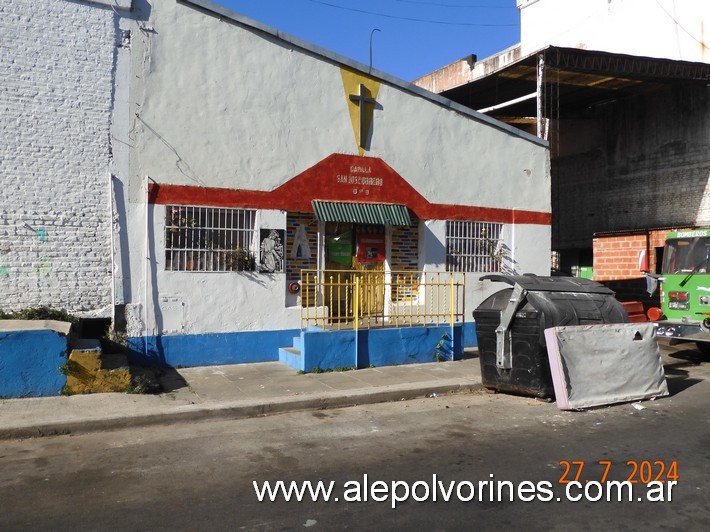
(216,104)
(527,251)
(671,29)
(216,301)
(237,111)
(57,62)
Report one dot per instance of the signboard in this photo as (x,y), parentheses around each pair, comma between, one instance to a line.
(360,180)
(697,233)
(340,248)
(370,248)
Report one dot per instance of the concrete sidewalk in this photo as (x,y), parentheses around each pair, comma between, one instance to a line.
(233,392)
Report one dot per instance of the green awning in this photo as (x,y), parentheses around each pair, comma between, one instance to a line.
(362,213)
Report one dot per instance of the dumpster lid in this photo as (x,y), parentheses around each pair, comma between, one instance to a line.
(535,283)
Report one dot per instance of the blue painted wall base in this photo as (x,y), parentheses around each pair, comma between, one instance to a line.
(468,333)
(330,350)
(189,350)
(30,362)
(325,349)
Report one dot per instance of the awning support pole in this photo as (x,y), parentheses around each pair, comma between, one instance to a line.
(540,100)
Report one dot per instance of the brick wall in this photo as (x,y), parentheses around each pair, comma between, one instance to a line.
(616,264)
(294,265)
(638,163)
(56,59)
(405,249)
(405,258)
(617,256)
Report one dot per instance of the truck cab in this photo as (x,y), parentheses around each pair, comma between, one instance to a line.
(685,288)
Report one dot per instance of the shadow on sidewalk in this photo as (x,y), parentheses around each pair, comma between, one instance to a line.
(469,353)
(158,380)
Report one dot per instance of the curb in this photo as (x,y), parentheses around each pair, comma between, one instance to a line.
(240,410)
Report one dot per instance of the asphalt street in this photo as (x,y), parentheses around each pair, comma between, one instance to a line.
(199,476)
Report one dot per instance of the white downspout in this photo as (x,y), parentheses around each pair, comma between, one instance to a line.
(113,250)
(146,269)
(540,86)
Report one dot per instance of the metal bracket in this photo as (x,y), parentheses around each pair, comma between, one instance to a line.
(503,339)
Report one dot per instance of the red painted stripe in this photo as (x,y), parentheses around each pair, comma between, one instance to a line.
(331,180)
(254,199)
(216,197)
(487,214)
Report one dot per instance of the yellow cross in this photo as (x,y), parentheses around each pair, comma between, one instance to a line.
(361,96)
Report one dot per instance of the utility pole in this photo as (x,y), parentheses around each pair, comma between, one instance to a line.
(371,34)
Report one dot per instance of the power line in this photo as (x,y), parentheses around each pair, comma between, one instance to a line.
(466,6)
(680,26)
(411,19)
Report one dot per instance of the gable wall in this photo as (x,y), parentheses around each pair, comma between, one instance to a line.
(239,109)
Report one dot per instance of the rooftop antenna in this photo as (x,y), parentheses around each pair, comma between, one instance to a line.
(371,34)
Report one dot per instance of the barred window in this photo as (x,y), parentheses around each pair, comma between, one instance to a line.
(208,239)
(474,246)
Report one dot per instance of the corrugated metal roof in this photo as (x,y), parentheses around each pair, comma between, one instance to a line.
(362,213)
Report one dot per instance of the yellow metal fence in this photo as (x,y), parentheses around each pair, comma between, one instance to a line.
(355,299)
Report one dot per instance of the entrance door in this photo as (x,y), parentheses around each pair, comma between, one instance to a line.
(369,261)
(354,249)
(337,276)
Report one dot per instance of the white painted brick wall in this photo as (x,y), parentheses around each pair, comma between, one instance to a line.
(56,70)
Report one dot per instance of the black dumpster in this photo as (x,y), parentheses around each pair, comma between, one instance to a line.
(510,327)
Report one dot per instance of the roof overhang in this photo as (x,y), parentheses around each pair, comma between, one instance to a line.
(574,80)
(363,213)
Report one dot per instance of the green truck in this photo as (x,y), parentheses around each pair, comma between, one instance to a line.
(685,289)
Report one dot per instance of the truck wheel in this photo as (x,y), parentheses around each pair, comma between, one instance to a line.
(704,348)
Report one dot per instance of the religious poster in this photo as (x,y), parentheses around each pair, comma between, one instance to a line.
(340,248)
(370,248)
(271,257)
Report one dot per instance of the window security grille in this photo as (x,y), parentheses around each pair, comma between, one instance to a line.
(473,246)
(208,239)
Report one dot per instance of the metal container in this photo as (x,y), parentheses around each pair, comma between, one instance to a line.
(510,327)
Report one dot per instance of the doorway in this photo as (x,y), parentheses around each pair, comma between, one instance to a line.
(354,250)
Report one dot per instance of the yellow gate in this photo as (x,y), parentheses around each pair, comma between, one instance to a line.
(371,279)
(370,297)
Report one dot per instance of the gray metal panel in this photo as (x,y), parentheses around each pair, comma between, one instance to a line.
(172,311)
(363,213)
(595,365)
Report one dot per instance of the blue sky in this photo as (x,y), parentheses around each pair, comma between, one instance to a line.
(415,37)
